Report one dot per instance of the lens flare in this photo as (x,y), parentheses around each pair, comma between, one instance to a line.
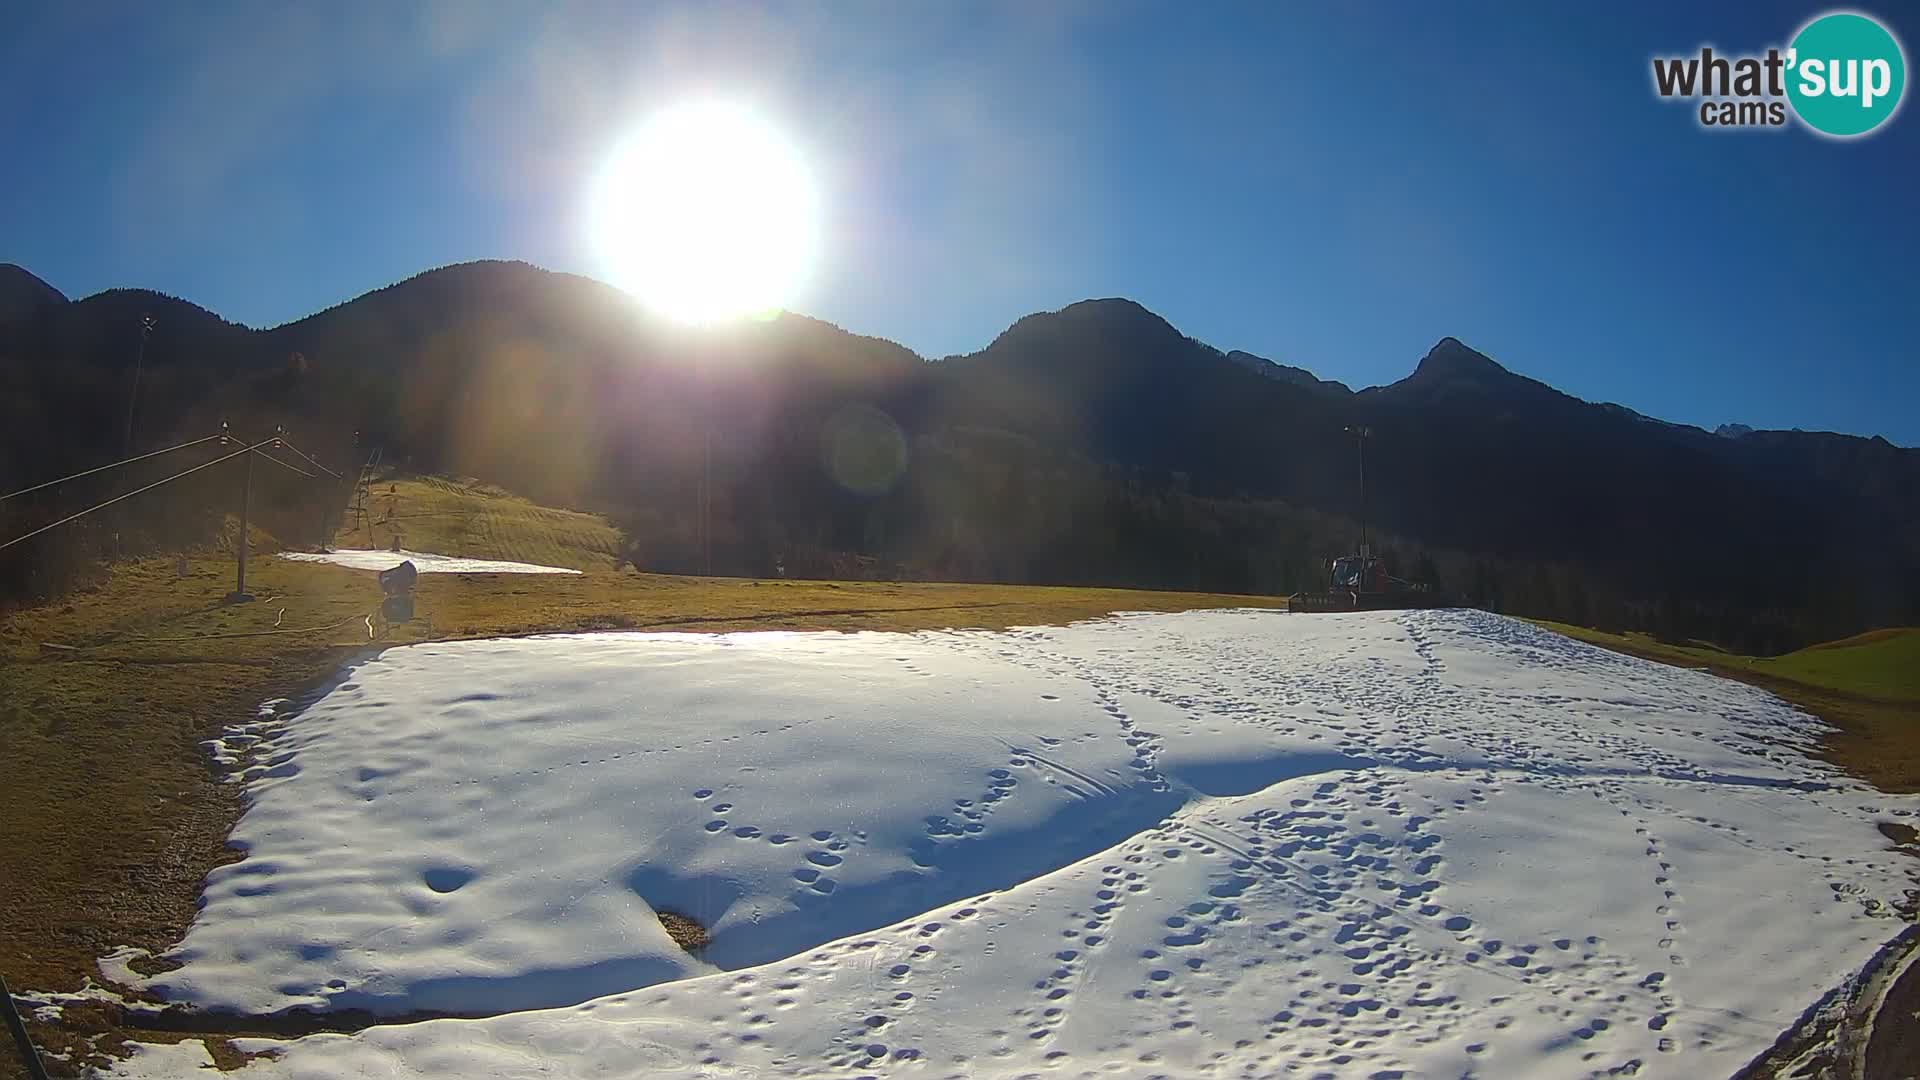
(864,450)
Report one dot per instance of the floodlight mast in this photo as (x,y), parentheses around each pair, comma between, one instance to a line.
(1361,434)
(139,361)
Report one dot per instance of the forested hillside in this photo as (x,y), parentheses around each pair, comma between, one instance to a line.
(1092,445)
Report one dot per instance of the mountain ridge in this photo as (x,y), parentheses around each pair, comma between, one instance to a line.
(1092,444)
(22,293)
(1448,358)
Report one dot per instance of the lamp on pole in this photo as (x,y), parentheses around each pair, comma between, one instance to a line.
(139,360)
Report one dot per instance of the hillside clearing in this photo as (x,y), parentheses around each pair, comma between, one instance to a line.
(470,520)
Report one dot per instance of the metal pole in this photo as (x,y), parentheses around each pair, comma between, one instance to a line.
(139,360)
(28,1054)
(240,547)
(706,491)
(1360,435)
(706,463)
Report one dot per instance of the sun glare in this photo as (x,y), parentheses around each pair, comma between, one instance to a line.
(705,213)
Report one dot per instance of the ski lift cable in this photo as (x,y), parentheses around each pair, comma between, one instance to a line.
(284,465)
(282,441)
(114,465)
(135,491)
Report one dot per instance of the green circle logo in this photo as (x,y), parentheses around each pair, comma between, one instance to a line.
(1845,74)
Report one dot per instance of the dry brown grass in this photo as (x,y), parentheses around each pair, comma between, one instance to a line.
(113,814)
(474,521)
(684,931)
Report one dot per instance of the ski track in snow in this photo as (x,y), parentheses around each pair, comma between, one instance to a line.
(1239,844)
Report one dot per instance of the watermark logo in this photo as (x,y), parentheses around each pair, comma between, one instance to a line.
(1844,74)
(1851,74)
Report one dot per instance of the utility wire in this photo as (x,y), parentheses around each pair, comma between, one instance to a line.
(115,465)
(285,466)
(277,441)
(135,491)
(366,471)
(282,441)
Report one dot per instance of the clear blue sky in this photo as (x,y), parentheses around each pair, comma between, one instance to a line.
(1334,186)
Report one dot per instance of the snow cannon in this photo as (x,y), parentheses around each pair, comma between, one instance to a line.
(399,580)
(396,585)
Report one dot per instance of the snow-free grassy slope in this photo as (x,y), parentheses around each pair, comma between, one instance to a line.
(1879,663)
(1231,843)
(474,521)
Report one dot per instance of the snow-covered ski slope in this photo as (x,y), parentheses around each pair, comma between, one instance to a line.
(425,562)
(1207,844)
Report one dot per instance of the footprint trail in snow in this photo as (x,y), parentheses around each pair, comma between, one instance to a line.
(1233,844)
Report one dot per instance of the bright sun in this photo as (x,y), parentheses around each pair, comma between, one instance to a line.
(705,213)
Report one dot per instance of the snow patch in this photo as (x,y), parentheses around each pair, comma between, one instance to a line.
(1226,843)
(237,744)
(423,561)
(165,1061)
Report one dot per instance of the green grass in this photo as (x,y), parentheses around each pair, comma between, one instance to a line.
(1882,664)
(1879,663)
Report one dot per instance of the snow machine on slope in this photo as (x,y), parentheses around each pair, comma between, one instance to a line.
(1361,583)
